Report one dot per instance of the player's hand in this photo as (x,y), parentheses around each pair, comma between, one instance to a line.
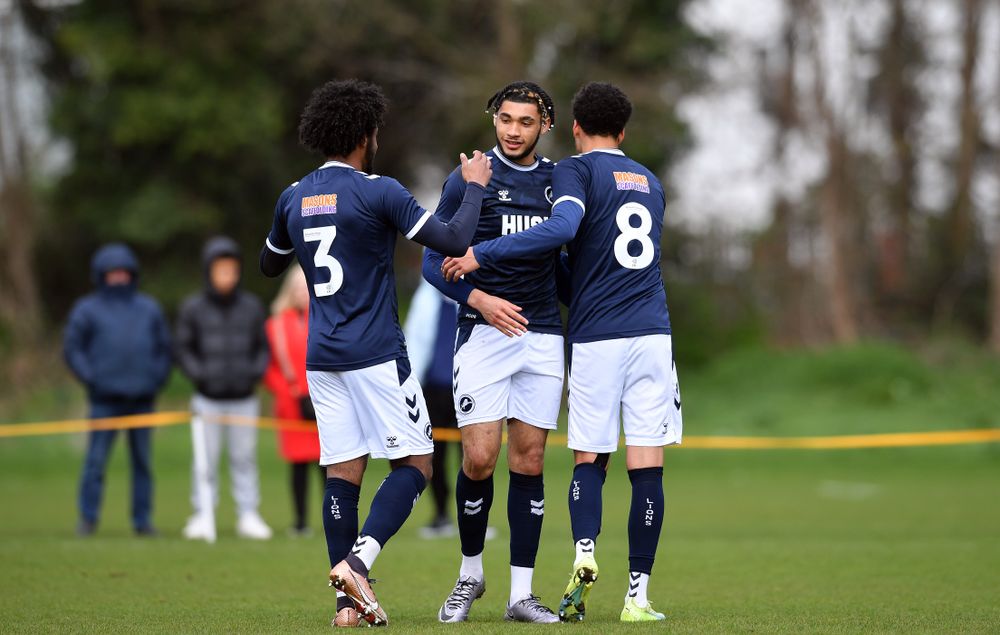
(454,268)
(477,169)
(499,313)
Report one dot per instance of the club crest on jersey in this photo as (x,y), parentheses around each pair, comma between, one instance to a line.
(513,223)
(505,196)
(466,404)
(631,181)
(548,195)
(319,204)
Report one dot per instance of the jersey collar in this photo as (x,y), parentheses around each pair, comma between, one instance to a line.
(608,151)
(522,168)
(335,164)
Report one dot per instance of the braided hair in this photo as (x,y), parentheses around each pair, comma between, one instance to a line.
(524,93)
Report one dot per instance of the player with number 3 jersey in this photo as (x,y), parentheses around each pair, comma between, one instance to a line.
(609,211)
(341,222)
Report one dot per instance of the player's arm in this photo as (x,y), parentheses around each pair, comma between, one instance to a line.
(278,251)
(455,236)
(499,313)
(452,195)
(560,228)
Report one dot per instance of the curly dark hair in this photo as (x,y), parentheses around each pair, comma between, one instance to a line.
(339,115)
(524,93)
(601,109)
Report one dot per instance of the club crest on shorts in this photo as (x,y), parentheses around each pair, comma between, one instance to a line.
(466,404)
(429,432)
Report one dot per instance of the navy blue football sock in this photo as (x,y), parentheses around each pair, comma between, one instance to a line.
(393,503)
(525,510)
(474,500)
(585,501)
(340,517)
(645,518)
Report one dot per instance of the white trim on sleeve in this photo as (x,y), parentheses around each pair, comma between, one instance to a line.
(572,199)
(420,223)
(283,252)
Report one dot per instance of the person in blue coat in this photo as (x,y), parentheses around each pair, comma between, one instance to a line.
(117,343)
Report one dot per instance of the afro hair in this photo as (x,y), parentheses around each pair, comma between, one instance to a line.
(339,115)
(601,109)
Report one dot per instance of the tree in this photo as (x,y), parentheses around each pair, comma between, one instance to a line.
(19,302)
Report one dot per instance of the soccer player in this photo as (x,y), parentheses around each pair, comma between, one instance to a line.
(512,372)
(609,209)
(340,221)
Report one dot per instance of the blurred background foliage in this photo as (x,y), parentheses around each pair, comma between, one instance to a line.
(174,120)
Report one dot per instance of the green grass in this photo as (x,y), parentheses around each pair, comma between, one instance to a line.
(895,540)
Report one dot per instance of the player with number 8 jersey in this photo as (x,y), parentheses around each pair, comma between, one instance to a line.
(341,222)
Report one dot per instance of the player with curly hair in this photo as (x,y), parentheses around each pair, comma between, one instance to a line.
(609,211)
(508,363)
(340,222)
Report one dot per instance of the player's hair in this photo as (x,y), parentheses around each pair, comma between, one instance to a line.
(339,115)
(601,109)
(524,93)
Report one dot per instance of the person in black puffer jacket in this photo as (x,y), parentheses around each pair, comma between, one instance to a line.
(222,348)
(117,343)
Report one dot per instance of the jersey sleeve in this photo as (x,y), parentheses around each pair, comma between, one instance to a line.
(278,240)
(400,209)
(569,183)
(452,193)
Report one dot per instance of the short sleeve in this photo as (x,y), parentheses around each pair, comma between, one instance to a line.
(399,208)
(569,183)
(278,240)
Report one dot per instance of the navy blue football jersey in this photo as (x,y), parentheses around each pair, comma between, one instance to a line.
(614,259)
(342,226)
(517,198)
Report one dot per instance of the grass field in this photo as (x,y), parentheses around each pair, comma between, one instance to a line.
(887,540)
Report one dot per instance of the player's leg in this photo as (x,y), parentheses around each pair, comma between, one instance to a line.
(651,419)
(594,400)
(525,511)
(344,452)
(485,360)
(533,410)
(473,500)
(395,425)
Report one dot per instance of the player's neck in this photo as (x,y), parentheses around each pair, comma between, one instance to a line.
(589,143)
(355,159)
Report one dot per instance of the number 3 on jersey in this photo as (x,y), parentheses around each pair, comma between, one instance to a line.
(323,259)
(629,233)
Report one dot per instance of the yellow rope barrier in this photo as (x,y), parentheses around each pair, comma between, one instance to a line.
(841,442)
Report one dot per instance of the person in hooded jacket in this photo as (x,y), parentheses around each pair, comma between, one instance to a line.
(221,346)
(117,343)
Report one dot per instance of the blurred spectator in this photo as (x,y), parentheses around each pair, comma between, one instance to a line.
(430,343)
(222,348)
(118,345)
(287,331)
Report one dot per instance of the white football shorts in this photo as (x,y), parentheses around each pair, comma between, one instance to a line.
(370,411)
(497,377)
(632,378)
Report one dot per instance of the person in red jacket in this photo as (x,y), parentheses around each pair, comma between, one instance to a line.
(285,377)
